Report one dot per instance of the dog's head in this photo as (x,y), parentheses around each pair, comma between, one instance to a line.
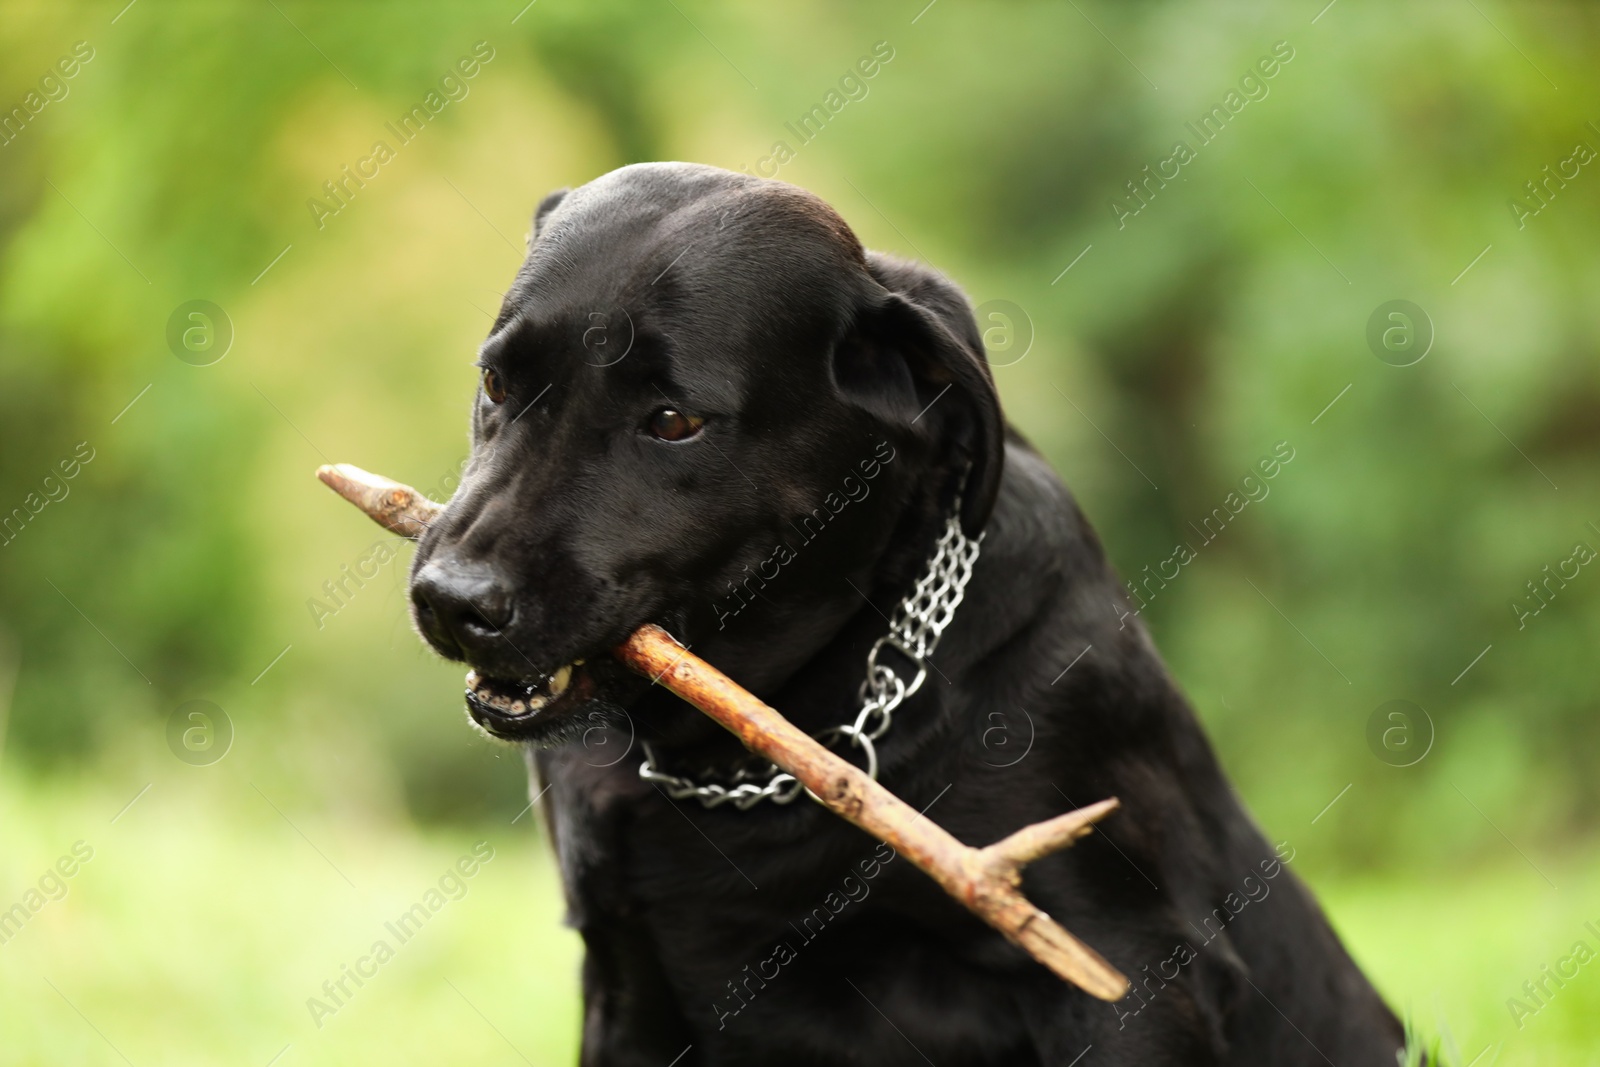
(703,405)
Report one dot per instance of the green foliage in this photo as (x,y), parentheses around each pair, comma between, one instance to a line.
(1422,1051)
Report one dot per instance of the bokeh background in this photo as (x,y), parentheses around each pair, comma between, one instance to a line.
(1155,355)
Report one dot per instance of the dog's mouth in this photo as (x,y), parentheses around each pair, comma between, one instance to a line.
(517,709)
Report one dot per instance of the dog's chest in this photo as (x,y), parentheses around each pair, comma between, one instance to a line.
(779,941)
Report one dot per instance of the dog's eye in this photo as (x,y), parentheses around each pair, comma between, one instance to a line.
(493,387)
(670,425)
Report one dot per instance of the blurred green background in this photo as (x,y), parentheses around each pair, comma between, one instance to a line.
(1156,356)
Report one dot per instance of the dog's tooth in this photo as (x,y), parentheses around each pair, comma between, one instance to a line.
(472,679)
(559,680)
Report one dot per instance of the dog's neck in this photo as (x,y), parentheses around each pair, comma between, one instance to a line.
(815,663)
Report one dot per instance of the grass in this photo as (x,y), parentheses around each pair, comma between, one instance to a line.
(203,924)
(1450,949)
(210,914)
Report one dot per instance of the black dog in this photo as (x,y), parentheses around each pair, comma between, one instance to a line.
(704,405)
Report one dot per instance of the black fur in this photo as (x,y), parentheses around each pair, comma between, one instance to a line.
(846,397)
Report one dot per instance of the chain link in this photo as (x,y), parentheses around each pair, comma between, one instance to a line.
(914,632)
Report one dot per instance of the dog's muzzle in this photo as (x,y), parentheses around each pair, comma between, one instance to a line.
(513,710)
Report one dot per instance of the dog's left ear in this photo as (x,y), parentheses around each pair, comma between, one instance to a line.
(915,349)
(550,202)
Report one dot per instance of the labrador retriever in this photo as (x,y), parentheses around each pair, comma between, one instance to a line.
(704,405)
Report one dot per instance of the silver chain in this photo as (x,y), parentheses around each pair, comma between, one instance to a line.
(914,633)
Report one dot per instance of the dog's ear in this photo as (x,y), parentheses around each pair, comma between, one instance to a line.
(914,357)
(550,202)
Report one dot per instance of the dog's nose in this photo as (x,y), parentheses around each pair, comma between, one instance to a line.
(461,606)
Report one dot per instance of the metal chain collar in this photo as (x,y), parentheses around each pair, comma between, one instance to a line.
(914,632)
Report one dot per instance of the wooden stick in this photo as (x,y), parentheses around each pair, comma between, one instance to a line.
(986,880)
(397,508)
